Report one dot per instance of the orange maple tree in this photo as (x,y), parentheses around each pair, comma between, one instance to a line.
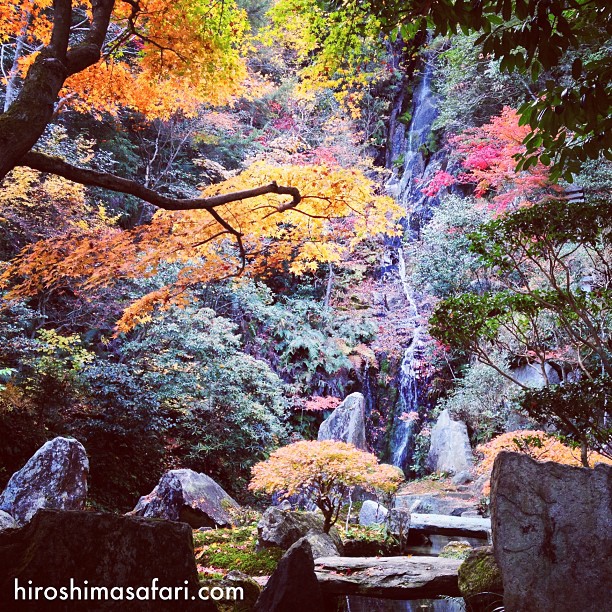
(324,472)
(539,445)
(338,209)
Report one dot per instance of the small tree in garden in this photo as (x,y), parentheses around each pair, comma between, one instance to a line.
(325,472)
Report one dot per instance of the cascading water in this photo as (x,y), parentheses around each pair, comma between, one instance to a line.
(406,189)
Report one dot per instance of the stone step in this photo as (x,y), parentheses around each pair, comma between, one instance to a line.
(388,577)
(444,524)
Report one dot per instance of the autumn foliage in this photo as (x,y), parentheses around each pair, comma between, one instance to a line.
(538,445)
(487,156)
(339,209)
(168,55)
(324,472)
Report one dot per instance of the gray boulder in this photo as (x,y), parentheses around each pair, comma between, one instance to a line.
(462,478)
(346,423)
(283,528)
(55,477)
(98,549)
(7,521)
(372,513)
(450,449)
(189,497)
(397,577)
(321,544)
(552,534)
(293,587)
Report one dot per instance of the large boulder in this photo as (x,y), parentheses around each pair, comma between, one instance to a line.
(346,423)
(480,580)
(552,534)
(189,497)
(372,513)
(59,549)
(450,449)
(55,477)
(283,528)
(293,587)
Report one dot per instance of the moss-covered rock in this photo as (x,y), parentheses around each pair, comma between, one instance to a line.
(480,580)
(456,550)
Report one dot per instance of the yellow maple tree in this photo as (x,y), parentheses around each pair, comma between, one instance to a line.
(325,472)
(539,445)
(338,209)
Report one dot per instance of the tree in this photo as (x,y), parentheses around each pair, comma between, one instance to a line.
(552,261)
(538,445)
(578,410)
(566,41)
(325,472)
(81,48)
(338,209)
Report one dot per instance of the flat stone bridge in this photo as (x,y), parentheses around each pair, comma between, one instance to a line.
(388,577)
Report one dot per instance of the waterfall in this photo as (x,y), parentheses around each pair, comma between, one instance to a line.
(405,187)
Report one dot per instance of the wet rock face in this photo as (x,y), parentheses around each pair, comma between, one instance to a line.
(189,497)
(552,534)
(103,549)
(346,423)
(450,449)
(55,477)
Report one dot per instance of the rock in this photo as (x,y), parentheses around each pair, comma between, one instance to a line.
(282,528)
(399,522)
(388,577)
(372,513)
(285,505)
(235,579)
(531,375)
(552,534)
(189,497)
(293,587)
(7,521)
(55,477)
(321,544)
(456,550)
(346,423)
(444,524)
(105,550)
(462,478)
(480,580)
(450,449)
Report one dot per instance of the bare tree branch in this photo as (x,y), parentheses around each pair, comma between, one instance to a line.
(105,180)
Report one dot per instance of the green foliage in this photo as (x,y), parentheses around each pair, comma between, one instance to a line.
(306,343)
(577,410)
(471,86)
(443,264)
(544,255)
(235,549)
(483,399)
(228,407)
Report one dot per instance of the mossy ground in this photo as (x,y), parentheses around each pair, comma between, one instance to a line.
(222,550)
